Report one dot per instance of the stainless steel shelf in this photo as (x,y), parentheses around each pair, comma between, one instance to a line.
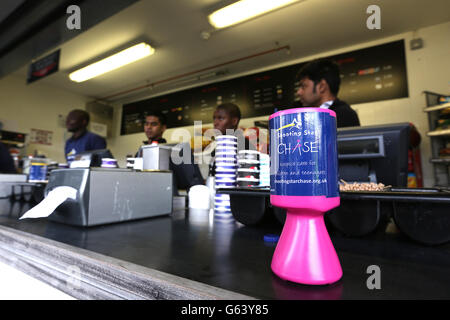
(438,133)
(438,138)
(437,107)
(440,160)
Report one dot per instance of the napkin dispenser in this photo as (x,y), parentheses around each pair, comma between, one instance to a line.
(111,195)
(156,157)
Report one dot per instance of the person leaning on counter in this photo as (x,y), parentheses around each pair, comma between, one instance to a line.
(82,140)
(319,87)
(226,117)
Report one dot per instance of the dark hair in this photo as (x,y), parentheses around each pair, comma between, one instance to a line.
(82,114)
(319,69)
(161,117)
(230,108)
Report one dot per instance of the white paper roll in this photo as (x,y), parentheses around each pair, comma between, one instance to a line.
(47,206)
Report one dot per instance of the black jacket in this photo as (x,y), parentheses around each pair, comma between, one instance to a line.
(6,161)
(345,115)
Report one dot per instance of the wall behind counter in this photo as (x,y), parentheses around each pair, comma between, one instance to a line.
(37,106)
(427,69)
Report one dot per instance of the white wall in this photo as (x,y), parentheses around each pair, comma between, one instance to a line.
(427,69)
(37,106)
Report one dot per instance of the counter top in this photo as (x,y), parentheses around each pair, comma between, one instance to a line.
(191,255)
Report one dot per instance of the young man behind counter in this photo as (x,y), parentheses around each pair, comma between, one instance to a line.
(154,126)
(319,87)
(185,175)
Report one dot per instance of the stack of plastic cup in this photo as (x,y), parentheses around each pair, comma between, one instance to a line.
(264,170)
(248,171)
(226,167)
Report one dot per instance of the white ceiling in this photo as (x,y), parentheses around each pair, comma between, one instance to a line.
(173,27)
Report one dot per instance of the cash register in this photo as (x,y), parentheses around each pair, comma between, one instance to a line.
(376,153)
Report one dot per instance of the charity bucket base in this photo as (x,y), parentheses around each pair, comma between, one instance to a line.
(305,253)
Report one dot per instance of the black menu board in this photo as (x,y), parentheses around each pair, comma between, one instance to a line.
(371,74)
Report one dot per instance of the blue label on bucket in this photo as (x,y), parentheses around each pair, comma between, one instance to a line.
(303,155)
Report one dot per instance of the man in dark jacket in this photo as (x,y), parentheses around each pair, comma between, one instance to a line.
(154,126)
(319,87)
(185,175)
(6,161)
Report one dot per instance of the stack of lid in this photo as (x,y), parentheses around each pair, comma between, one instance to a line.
(248,171)
(225,161)
(109,163)
(264,170)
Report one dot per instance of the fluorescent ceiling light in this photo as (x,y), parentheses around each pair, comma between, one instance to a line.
(115,61)
(244,10)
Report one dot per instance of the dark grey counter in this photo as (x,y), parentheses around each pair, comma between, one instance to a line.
(191,255)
